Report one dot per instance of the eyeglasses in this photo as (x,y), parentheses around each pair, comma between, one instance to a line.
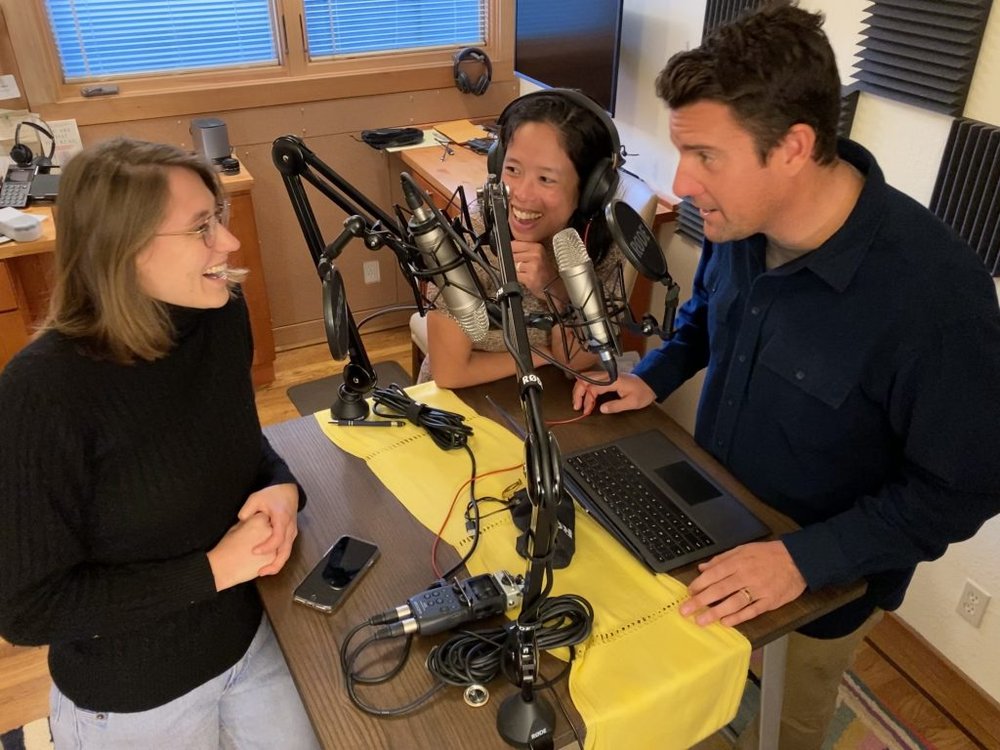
(208,229)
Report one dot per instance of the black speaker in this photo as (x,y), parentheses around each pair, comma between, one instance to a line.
(598,187)
(462,81)
(22,155)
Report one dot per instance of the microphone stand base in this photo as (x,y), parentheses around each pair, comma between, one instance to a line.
(350,405)
(528,724)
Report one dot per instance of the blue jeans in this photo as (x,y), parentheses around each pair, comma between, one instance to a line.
(253,704)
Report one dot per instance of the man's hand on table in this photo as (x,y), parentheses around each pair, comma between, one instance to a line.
(742,583)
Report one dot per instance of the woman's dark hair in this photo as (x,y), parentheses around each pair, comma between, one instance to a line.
(585,140)
(773,68)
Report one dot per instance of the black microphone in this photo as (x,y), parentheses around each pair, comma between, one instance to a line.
(586,299)
(460,292)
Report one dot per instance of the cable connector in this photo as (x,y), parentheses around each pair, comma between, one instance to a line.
(390,615)
(396,629)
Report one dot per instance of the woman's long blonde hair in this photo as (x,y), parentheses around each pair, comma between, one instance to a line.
(112,198)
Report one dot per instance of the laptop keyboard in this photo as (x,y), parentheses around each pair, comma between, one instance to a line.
(634,502)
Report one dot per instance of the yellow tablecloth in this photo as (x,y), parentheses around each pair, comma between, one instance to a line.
(647,678)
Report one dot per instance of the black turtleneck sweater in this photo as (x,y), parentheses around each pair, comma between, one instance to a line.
(115,481)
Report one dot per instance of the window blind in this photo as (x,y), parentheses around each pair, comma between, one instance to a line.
(349,27)
(100,38)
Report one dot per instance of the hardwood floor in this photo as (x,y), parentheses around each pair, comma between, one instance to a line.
(24,681)
(313,362)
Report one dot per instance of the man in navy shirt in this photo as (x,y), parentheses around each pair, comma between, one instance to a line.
(851,343)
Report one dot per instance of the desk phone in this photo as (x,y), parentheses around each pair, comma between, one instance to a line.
(16,187)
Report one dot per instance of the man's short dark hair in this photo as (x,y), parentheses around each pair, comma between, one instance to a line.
(774,68)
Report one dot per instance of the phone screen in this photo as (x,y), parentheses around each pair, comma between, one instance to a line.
(20,175)
(346,559)
(336,573)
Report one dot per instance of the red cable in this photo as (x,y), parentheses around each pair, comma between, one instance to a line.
(437,537)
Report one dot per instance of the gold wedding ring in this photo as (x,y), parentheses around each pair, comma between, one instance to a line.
(746,592)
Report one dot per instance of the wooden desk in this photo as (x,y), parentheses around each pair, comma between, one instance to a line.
(26,274)
(441,178)
(345,497)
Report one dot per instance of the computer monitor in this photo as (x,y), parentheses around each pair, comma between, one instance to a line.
(570,44)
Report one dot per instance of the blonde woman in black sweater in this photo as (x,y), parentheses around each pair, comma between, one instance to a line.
(140,498)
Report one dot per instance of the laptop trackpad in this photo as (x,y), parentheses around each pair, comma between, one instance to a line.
(687,482)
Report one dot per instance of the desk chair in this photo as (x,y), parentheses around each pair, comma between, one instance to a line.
(631,189)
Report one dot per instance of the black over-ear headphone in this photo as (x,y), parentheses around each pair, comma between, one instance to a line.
(598,187)
(462,80)
(22,155)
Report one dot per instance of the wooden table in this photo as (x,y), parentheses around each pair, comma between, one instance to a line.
(345,497)
(26,279)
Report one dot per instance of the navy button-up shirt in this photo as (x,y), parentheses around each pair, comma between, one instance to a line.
(855,389)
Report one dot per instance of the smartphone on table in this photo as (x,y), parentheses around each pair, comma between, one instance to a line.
(337,573)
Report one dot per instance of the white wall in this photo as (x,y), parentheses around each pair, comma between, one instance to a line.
(908,143)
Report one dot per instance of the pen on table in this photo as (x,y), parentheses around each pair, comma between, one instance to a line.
(367,423)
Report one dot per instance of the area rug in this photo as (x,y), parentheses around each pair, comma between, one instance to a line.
(33,736)
(316,395)
(862,722)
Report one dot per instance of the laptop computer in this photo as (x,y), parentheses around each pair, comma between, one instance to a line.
(652,498)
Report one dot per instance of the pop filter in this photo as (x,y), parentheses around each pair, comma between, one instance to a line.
(636,241)
(641,249)
(335,313)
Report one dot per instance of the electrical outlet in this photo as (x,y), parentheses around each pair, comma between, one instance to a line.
(973,603)
(372,275)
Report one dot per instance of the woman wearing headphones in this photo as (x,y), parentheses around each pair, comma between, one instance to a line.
(557,153)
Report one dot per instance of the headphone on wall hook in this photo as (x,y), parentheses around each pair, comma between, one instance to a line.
(462,81)
(22,155)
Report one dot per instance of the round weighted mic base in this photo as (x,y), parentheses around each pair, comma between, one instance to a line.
(526,723)
(349,405)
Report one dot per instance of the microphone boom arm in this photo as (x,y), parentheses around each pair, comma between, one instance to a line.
(297,162)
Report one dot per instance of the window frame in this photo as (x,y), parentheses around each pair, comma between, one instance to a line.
(295,78)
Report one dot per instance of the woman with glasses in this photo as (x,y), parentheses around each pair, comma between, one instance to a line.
(140,498)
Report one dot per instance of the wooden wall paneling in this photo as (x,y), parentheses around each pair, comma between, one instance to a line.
(243,224)
(8,297)
(293,285)
(13,328)
(36,274)
(332,130)
(8,66)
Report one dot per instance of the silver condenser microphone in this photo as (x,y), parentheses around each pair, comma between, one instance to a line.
(586,298)
(460,292)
